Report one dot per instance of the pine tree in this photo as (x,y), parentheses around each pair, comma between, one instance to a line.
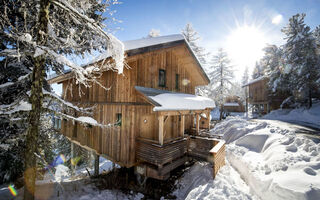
(192,37)
(221,76)
(244,81)
(40,35)
(257,71)
(301,56)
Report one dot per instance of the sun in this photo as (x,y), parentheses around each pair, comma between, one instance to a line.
(245,45)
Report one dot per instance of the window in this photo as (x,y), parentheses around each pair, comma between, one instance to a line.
(177,81)
(162,78)
(57,123)
(119,119)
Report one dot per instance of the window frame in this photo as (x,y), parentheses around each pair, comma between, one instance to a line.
(119,119)
(160,84)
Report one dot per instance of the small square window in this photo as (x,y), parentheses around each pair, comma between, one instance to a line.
(119,119)
(162,78)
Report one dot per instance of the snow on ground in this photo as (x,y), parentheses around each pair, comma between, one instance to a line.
(197,183)
(64,187)
(274,160)
(63,173)
(308,116)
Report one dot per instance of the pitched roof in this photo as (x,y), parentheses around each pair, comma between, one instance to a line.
(133,47)
(144,42)
(255,80)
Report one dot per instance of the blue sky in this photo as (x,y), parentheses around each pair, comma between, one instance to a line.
(214,20)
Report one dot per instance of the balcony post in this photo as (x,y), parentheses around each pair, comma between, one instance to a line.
(161,118)
(197,123)
(182,125)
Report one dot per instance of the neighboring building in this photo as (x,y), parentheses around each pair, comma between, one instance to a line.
(151,106)
(260,98)
(233,104)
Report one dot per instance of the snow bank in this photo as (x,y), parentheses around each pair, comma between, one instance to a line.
(308,116)
(197,183)
(179,101)
(274,160)
(235,127)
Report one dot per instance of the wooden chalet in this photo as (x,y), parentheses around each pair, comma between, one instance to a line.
(260,98)
(152,107)
(233,104)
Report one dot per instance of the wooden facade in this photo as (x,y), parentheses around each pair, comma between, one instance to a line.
(237,107)
(137,134)
(261,99)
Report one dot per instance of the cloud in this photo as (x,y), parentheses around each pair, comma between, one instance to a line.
(277,19)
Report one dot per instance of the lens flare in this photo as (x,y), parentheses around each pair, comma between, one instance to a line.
(74,161)
(13,191)
(59,160)
(185,82)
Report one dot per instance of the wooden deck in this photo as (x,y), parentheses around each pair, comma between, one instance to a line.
(158,154)
(157,160)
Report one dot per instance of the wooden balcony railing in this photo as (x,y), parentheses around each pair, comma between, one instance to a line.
(218,152)
(160,154)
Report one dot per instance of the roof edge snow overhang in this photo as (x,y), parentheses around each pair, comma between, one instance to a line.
(255,81)
(147,93)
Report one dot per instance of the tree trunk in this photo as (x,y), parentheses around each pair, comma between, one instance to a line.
(36,98)
(221,110)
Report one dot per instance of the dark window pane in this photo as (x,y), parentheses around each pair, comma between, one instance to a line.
(162,77)
(177,81)
(119,119)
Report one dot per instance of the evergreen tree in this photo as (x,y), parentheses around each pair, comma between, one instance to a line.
(257,71)
(192,37)
(301,56)
(221,76)
(244,81)
(37,36)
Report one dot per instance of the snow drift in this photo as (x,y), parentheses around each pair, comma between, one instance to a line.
(275,161)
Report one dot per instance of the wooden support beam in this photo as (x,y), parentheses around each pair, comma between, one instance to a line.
(179,112)
(72,157)
(96,164)
(208,118)
(182,125)
(165,119)
(197,123)
(161,124)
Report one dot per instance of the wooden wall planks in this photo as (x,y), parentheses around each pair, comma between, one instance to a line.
(119,143)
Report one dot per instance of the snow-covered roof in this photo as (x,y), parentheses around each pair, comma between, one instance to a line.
(132,47)
(145,42)
(166,100)
(231,104)
(255,80)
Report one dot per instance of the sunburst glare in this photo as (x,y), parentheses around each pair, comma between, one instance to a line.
(245,45)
